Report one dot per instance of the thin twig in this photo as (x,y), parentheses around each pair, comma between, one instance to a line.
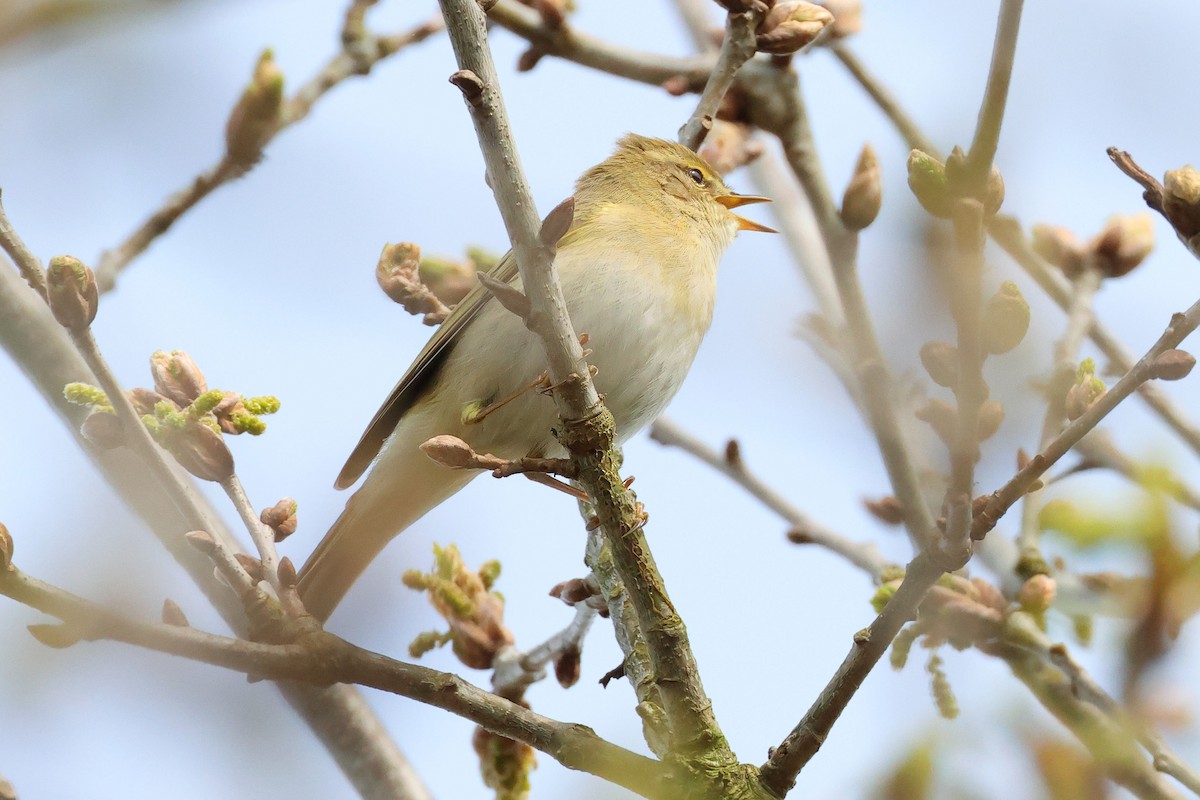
(995,97)
(346,64)
(786,117)
(1002,499)
(321,658)
(779,772)
(514,670)
(886,101)
(1066,355)
(736,49)
(1165,760)
(588,432)
(29,265)
(572,45)
(262,536)
(862,555)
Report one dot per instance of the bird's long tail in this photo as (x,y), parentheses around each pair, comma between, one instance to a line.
(402,487)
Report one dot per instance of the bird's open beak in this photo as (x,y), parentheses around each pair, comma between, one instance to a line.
(735,200)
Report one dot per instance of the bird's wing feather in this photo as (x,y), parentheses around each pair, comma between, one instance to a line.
(420,375)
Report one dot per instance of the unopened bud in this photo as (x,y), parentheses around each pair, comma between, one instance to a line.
(287,573)
(202,451)
(1122,245)
(1005,319)
(864,195)
(1059,246)
(1172,365)
(1181,202)
(886,509)
(449,451)
(552,12)
(567,667)
(991,414)
(71,292)
(1037,594)
(253,567)
(172,614)
(927,179)
(177,377)
(791,26)
(58,637)
(202,541)
(940,360)
(942,417)
(255,118)
(103,429)
(281,518)
(530,59)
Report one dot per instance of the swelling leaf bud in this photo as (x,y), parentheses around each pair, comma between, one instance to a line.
(1181,203)
(864,194)
(1005,319)
(1058,246)
(255,118)
(991,414)
(176,377)
(1085,392)
(847,18)
(449,451)
(1037,594)
(103,429)
(942,417)
(281,518)
(927,179)
(1172,365)
(567,667)
(1122,245)
(56,636)
(71,292)
(790,27)
(201,451)
(940,360)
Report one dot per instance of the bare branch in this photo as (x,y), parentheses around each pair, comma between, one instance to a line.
(737,48)
(862,555)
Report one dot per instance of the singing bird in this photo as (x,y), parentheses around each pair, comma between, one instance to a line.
(638,269)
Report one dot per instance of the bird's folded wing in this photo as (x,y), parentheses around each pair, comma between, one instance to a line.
(420,375)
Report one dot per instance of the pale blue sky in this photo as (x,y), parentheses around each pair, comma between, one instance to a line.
(269,285)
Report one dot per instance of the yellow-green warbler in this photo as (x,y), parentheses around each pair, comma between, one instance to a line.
(638,269)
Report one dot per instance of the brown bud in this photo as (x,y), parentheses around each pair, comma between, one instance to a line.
(6,547)
(991,414)
(103,429)
(989,595)
(677,85)
(449,451)
(1181,201)
(1037,594)
(1005,319)
(71,292)
(940,360)
(287,573)
(202,541)
(530,59)
(281,518)
(144,400)
(567,667)
(572,591)
(58,637)
(172,614)
(886,509)
(1172,365)
(942,417)
(552,12)
(864,194)
(203,452)
(177,377)
(255,118)
(1122,245)
(927,180)
(791,26)
(1058,246)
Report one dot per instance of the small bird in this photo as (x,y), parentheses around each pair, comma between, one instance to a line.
(638,270)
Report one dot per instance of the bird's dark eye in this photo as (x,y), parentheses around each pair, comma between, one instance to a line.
(697,176)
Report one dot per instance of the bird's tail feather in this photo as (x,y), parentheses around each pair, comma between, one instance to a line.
(394,496)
